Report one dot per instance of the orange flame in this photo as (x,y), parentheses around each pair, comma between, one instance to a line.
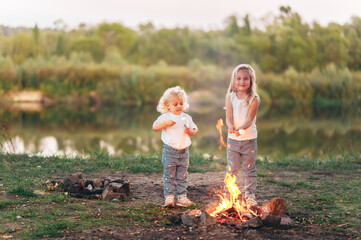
(226,203)
(219,127)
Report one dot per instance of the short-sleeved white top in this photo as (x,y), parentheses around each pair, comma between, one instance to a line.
(175,136)
(240,111)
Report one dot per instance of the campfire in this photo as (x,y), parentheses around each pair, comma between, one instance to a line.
(230,207)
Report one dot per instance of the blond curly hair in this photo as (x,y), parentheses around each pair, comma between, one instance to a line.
(163,105)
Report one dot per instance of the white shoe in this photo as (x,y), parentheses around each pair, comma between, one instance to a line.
(169,201)
(184,202)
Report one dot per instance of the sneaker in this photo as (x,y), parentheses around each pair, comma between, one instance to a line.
(169,201)
(251,200)
(184,202)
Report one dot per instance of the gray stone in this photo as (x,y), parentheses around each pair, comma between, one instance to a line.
(187,220)
(271,220)
(207,219)
(287,222)
(73,183)
(97,182)
(120,187)
(109,194)
(233,222)
(252,223)
(191,217)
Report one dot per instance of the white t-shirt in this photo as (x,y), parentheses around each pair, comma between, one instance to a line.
(175,136)
(240,111)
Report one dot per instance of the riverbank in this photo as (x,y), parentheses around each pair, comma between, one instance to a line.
(322,197)
(133,84)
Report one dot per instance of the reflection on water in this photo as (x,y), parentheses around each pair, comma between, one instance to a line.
(116,130)
(48,146)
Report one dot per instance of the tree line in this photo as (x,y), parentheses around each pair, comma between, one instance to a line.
(143,62)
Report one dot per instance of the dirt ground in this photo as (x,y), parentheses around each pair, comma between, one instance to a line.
(203,188)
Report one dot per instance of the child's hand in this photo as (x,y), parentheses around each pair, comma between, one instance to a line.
(237,133)
(169,123)
(189,132)
(234,131)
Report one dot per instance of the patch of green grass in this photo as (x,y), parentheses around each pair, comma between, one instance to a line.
(331,162)
(60,198)
(270,180)
(33,213)
(12,213)
(298,185)
(314,178)
(332,205)
(191,169)
(74,207)
(7,203)
(22,191)
(51,230)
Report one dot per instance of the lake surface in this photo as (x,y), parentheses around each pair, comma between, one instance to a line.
(75,131)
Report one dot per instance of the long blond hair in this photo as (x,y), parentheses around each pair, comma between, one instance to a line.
(252,90)
(163,105)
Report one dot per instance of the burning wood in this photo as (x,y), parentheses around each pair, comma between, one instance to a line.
(276,207)
(230,206)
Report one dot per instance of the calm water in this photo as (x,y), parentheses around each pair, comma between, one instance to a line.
(120,130)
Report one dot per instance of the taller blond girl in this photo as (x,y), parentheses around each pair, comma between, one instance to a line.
(242,103)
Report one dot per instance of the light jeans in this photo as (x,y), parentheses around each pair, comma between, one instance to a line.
(175,167)
(243,152)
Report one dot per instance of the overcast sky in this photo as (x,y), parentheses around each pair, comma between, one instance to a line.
(205,14)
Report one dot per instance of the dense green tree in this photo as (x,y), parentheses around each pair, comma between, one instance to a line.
(115,34)
(170,45)
(353,34)
(23,48)
(61,45)
(246,29)
(89,45)
(232,27)
(332,45)
(36,34)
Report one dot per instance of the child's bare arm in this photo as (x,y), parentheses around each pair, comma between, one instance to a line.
(229,114)
(251,114)
(160,125)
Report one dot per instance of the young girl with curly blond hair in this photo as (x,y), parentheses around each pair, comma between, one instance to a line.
(177,128)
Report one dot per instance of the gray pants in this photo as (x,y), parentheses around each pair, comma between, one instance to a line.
(243,152)
(175,165)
